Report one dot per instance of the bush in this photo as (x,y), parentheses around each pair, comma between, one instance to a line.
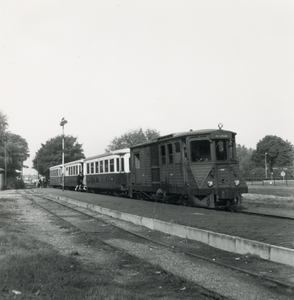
(14,184)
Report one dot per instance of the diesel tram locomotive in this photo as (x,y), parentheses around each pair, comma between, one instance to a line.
(195,168)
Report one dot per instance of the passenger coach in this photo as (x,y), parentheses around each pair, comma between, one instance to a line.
(108,172)
(55,176)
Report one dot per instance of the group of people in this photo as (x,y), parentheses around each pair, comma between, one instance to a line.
(42,182)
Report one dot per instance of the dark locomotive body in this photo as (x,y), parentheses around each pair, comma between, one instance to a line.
(197,168)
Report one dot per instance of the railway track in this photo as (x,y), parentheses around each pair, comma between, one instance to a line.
(155,241)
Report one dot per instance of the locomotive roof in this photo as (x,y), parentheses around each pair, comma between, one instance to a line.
(183,134)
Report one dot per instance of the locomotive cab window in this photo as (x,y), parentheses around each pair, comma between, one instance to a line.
(232,149)
(221,149)
(200,151)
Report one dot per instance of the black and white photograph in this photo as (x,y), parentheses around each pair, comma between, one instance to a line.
(146,149)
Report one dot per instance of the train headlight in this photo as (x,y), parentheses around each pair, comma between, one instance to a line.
(210,183)
(237,182)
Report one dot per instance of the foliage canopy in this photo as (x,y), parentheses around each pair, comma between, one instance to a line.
(50,153)
(274,150)
(132,138)
(13,149)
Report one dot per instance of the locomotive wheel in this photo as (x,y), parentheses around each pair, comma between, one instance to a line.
(185,202)
(238,199)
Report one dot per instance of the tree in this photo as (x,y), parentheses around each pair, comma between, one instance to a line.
(244,159)
(50,153)
(274,150)
(3,123)
(132,138)
(15,151)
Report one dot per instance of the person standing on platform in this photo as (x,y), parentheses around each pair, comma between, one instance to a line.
(79,181)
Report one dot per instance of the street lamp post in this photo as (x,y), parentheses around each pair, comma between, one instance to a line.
(62,123)
(265,165)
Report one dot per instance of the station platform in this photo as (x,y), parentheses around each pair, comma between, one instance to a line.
(268,238)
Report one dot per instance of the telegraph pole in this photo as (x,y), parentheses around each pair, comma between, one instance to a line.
(62,123)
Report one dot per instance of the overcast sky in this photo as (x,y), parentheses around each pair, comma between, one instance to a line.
(110,66)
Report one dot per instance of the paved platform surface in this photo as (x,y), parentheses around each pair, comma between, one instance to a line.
(266,230)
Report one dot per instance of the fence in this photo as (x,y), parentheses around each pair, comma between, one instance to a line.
(271,182)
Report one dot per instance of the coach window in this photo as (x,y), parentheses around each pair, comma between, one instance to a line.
(117,164)
(88,168)
(122,164)
(96,167)
(101,166)
(92,168)
(137,161)
(163,157)
(111,165)
(106,166)
(170,153)
(200,151)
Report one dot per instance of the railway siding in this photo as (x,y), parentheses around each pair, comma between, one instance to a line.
(221,241)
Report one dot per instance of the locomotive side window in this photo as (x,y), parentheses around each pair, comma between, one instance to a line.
(163,155)
(221,149)
(178,152)
(170,153)
(200,151)
(137,161)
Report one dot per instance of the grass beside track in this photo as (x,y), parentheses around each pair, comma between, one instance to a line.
(29,270)
(271,190)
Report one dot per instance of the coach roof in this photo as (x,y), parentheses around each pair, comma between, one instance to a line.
(115,152)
